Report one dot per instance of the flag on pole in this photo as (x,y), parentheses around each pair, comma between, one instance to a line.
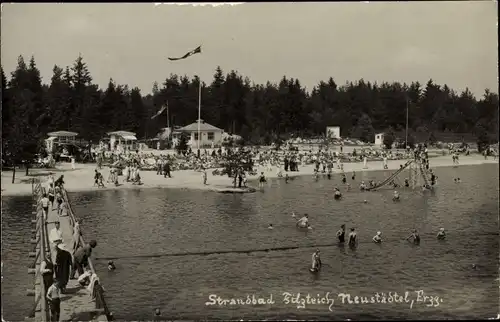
(163,108)
(192,52)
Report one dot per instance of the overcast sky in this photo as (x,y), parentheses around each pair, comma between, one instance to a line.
(451,42)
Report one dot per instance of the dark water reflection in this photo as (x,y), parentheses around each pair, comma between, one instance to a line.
(130,223)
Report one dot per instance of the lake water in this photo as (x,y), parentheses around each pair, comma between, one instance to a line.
(142,230)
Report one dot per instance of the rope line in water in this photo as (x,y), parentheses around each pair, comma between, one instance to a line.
(262,250)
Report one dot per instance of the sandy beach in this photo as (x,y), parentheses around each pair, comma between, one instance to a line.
(82,178)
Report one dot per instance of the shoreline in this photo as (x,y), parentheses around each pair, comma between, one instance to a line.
(81,179)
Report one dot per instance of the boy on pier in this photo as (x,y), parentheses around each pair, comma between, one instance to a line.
(54,298)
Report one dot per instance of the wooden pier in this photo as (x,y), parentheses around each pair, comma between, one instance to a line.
(77,303)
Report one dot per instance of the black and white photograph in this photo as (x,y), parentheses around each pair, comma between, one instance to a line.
(250,161)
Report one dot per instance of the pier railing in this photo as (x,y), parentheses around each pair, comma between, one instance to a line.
(98,289)
(40,253)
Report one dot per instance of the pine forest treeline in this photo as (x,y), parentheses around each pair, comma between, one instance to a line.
(260,113)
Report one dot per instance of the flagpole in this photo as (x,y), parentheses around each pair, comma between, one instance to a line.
(406,142)
(199,113)
(168,123)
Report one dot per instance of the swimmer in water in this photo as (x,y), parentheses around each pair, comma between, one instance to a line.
(395,197)
(270,226)
(458,180)
(338,194)
(287,178)
(303,222)
(441,234)
(352,238)
(407,183)
(348,187)
(341,234)
(415,237)
(344,179)
(377,238)
(362,186)
(111,266)
(316,261)
(353,175)
(293,214)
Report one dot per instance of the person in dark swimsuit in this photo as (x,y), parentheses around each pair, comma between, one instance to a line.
(353,175)
(441,234)
(352,238)
(341,234)
(344,179)
(415,236)
(51,199)
(262,179)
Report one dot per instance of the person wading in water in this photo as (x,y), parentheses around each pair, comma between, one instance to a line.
(415,236)
(352,239)
(341,234)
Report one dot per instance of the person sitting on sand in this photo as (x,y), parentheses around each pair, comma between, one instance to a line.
(362,186)
(377,238)
(441,234)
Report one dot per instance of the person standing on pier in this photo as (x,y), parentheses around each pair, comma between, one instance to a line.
(81,258)
(54,298)
(47,271)
(55,237)
(45,205)
(63,266)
